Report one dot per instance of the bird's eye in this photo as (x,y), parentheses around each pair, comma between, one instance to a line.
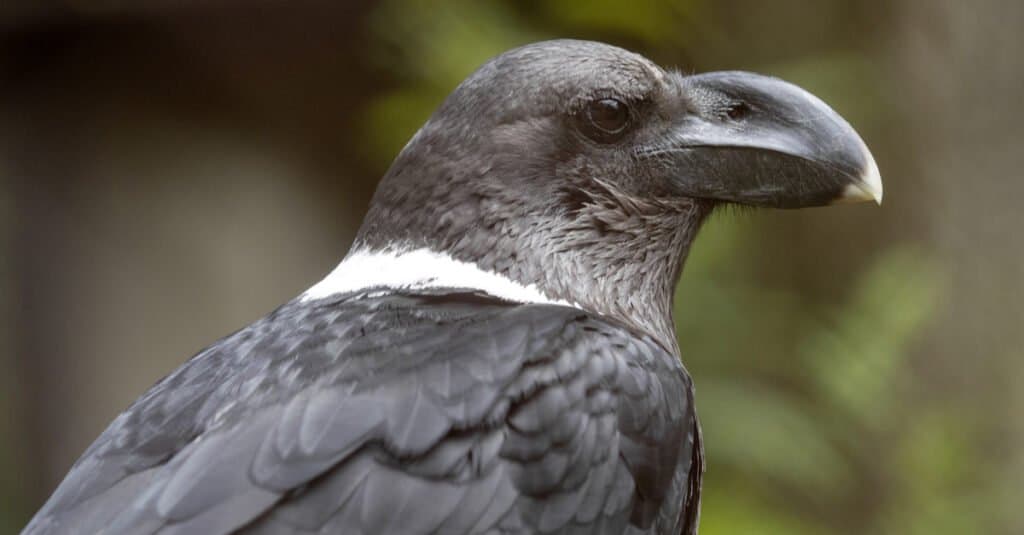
(605,119)
(738,111)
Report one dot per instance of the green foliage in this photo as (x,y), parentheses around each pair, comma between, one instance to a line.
(654,21)
(866,345)
(730,511)
(815,435)
(432,46)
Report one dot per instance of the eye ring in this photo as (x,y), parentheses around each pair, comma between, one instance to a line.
(605,119)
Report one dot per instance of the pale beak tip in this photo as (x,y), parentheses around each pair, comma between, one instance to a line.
(868,187)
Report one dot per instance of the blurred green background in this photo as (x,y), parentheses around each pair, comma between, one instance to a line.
(172,170)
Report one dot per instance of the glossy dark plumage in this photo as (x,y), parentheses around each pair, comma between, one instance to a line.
(436,413)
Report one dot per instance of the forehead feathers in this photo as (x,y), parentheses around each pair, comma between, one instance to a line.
(545,78)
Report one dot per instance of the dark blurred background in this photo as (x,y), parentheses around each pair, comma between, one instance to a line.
(173,169)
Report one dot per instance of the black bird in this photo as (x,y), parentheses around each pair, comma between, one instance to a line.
(496,353)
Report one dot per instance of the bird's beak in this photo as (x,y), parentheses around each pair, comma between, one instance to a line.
(757,140)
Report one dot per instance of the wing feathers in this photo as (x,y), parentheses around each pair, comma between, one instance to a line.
(400,415)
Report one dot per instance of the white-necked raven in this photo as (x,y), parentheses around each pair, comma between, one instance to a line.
(496,352)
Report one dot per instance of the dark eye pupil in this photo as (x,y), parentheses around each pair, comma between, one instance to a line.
(608,114)
(738,111)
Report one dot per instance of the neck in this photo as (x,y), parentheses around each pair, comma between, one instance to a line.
(610,254)
(622,258)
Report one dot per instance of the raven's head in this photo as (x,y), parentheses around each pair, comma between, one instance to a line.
(585,170)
